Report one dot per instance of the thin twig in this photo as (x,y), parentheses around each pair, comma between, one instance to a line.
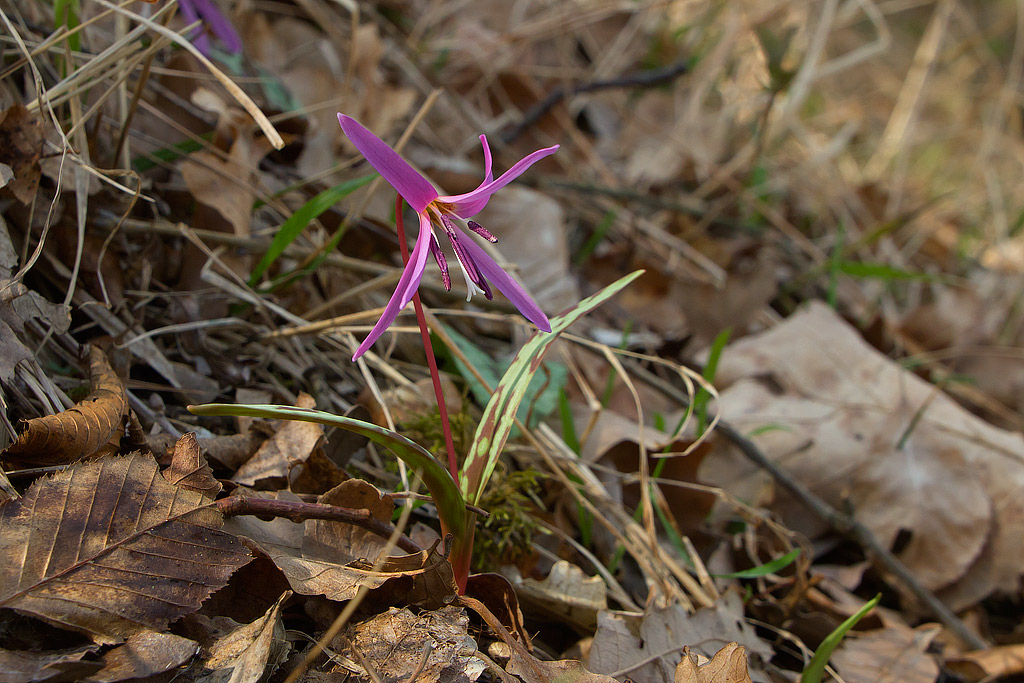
(298,511)
(640,79)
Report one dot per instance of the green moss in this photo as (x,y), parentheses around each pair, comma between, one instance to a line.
(506,535)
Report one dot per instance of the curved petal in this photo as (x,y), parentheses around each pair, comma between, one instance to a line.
(219,24)
(413,187)
(407,285)
(472,203)
(198,37)
(506,285)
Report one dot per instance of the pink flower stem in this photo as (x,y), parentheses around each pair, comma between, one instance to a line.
(428,349)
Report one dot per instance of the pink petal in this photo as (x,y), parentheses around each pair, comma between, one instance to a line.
(472,203)
(220,24)
(407,285)
(413,187)
(506,285)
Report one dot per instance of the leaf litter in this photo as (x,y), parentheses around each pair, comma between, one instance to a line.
(831,182)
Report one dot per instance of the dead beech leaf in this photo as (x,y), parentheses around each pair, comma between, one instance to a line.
(650,648)
(420,578)
(280,454)
(343,543)
(889,655)
(189,469)
(21,147)
(80,430)
(394,643)
(499,596)
(249,652)
(729,665)
(567,594)
(144,654)
(110,548)
(32,666)
(859,430)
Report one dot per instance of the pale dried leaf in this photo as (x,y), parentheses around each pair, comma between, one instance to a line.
(889,655)
(650,648)
(837,424)
(729,665)
(110,548)
(144,654)
(342,543)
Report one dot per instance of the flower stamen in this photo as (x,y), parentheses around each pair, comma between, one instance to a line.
(482,231)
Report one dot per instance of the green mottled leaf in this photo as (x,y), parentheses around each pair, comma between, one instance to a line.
(499,415)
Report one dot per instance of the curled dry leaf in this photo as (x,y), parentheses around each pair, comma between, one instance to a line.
(144,654)
(987,665)
(729,665)
(80,430)
(189,469)
(110,548)
(398,643)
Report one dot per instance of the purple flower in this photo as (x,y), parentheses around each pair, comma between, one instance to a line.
(445,213)
(207,12)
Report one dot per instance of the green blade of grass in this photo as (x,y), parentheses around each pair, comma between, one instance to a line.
(880,271)
(299,220)
(763,569)
(816,668)
(450,504)
(499,415)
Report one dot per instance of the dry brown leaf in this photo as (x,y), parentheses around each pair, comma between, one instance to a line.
(343,543)
(567,595)
(498,595)
(229,451)
(249,652)
(115,549)
(280,454)
(424,577)
(80,430)
(987,665)
(859,430)
(650,648)
(21,147)
(32,666)
(395,643)
(889,655)
(729,665)
(189,469)
(144,654)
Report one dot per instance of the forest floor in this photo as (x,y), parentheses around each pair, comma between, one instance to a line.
(789,448)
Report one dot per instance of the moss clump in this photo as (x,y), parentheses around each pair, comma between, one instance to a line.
(506,535)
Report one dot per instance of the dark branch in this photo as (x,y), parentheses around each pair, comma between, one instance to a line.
(298,511)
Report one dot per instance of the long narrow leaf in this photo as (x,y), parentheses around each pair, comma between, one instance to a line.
(816,668)
(499,415)
(443,489)
(298,221)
